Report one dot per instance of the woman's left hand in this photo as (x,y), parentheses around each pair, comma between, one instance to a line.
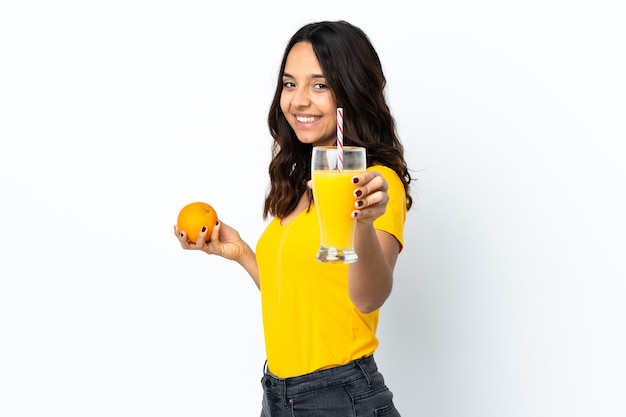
(371,196)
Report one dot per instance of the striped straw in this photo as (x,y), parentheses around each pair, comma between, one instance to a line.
(339,139)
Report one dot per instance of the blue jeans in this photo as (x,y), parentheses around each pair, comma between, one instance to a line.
(356,389)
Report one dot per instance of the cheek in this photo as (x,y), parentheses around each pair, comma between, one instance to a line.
(284,104)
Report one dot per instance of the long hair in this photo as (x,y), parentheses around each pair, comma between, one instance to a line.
(355,76)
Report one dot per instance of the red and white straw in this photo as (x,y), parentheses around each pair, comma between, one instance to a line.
(339,139)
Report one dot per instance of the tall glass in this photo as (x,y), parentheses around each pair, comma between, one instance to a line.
(333,194)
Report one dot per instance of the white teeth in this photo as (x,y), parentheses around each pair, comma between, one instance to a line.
(306,119)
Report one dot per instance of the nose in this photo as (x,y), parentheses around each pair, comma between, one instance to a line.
(300,97)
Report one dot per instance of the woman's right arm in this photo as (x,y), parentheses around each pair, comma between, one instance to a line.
(225,242)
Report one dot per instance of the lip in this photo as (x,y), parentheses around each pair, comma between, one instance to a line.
(306,120)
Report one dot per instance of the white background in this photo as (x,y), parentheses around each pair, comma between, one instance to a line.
(509,296)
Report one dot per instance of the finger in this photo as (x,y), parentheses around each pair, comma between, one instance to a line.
(215,233)
(181,235)
(362,178)
(371,210)
(369,200)
(214,244)
(368,215)
(202,238)
(365,177)
(376,184)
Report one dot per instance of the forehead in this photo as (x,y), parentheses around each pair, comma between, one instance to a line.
(302,60)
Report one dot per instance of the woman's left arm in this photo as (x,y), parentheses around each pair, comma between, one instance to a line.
(370,279)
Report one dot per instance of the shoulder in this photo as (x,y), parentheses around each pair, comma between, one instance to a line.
(393,220)
(384,170)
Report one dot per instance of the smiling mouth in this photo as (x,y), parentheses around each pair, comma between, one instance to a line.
(309,119)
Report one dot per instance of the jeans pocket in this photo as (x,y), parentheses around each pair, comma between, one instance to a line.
(389,411)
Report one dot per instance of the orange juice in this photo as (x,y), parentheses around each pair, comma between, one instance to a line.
(334,201)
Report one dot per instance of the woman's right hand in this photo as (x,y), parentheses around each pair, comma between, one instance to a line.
(224,241)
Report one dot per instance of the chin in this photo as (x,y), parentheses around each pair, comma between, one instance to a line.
(308,141)
(317,141)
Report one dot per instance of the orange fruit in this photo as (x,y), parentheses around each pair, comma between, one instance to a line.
(193,216)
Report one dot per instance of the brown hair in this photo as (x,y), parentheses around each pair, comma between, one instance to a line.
(354,74)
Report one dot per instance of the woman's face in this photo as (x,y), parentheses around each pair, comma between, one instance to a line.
(306,101)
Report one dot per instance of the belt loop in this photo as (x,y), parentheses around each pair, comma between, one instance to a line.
(365,371)
(265,367)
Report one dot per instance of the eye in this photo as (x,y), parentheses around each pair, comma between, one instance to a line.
(288,84)
(320,86)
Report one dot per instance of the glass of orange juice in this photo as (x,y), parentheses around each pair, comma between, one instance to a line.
(334,199)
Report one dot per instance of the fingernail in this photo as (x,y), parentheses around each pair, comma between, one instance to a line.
(358,193)
(354,214)
(355,180)
(217,222)
(203,229)
(359,203)
(181,234)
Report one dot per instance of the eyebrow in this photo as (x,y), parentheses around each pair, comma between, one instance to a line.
(286,74)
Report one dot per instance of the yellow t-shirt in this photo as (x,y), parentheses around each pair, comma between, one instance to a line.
(310,323)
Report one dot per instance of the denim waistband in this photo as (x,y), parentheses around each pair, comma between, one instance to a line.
(324,378)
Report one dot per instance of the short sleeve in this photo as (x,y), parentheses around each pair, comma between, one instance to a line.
(394,218)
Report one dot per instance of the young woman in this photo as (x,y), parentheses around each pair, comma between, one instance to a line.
(320,319)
